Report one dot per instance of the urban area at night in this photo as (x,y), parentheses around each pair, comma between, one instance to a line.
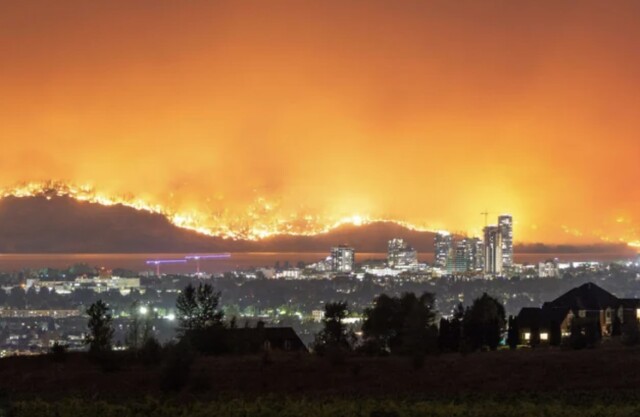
(353,208)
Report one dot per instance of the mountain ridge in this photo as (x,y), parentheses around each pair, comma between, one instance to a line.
(45,224)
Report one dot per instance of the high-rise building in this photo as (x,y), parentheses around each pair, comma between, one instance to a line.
(505,223)
(475,253)
(342,259)
(493,250)
(468,255)
(460,257)
(401,255)
(443,249)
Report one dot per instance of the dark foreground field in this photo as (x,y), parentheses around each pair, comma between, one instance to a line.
(603,381)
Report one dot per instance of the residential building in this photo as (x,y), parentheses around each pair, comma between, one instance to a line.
(551,322)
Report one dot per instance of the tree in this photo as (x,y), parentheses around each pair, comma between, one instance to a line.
(201,323)
(140,328)
(17,298)
(450,332)
(419,334)
(400,325)
(484,323)
(513,334)
(381,324)
(334,336)
(100,327)
(197,308)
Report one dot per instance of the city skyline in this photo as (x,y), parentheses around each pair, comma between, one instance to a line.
(221,118)
(373,208)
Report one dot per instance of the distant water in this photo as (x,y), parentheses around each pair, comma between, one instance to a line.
(136,262)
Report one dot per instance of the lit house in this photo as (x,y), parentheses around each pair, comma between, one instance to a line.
(552,321)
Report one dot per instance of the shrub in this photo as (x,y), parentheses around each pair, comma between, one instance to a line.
(58,352)
(151,351)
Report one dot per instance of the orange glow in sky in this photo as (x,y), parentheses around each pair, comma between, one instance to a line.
(261,113)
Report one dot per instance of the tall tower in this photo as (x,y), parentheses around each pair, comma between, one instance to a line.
(493,250)
(443,248)
(461,261)
(342,259)
(475,253)
(505,223)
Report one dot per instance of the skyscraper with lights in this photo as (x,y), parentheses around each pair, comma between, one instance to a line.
(505,223)
(493,250)
(443,246)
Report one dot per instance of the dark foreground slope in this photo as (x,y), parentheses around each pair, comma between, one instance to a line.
(598,382)
(541,371)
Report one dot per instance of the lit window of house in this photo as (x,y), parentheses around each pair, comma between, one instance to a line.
(544,336)
(527,336)
(582,313)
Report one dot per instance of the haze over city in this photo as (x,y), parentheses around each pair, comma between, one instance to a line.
(357,208)
(295,116)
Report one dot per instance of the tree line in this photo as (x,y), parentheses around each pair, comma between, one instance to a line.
(407,325)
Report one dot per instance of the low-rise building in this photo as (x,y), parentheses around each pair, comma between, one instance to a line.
(551,322)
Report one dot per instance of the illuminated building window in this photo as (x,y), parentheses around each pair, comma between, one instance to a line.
(544,336)
(527,336)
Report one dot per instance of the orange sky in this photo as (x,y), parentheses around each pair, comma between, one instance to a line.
(421,111)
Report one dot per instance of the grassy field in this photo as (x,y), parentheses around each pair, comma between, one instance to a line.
(278,407)
(540,382)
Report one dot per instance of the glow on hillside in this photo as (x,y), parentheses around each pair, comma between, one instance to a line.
(260,221)
(249,226)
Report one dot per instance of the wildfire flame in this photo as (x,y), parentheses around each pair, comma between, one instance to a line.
(254,225)
(260,221)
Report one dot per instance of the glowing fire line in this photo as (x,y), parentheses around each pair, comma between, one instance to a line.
(234,228)
(192,221)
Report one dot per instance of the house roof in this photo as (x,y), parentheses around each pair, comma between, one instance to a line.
(585,297)
(272,334)
(589,297)
(530,317)
(267,332)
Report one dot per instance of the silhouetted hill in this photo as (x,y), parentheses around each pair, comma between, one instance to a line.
(64,225)
(371,237)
